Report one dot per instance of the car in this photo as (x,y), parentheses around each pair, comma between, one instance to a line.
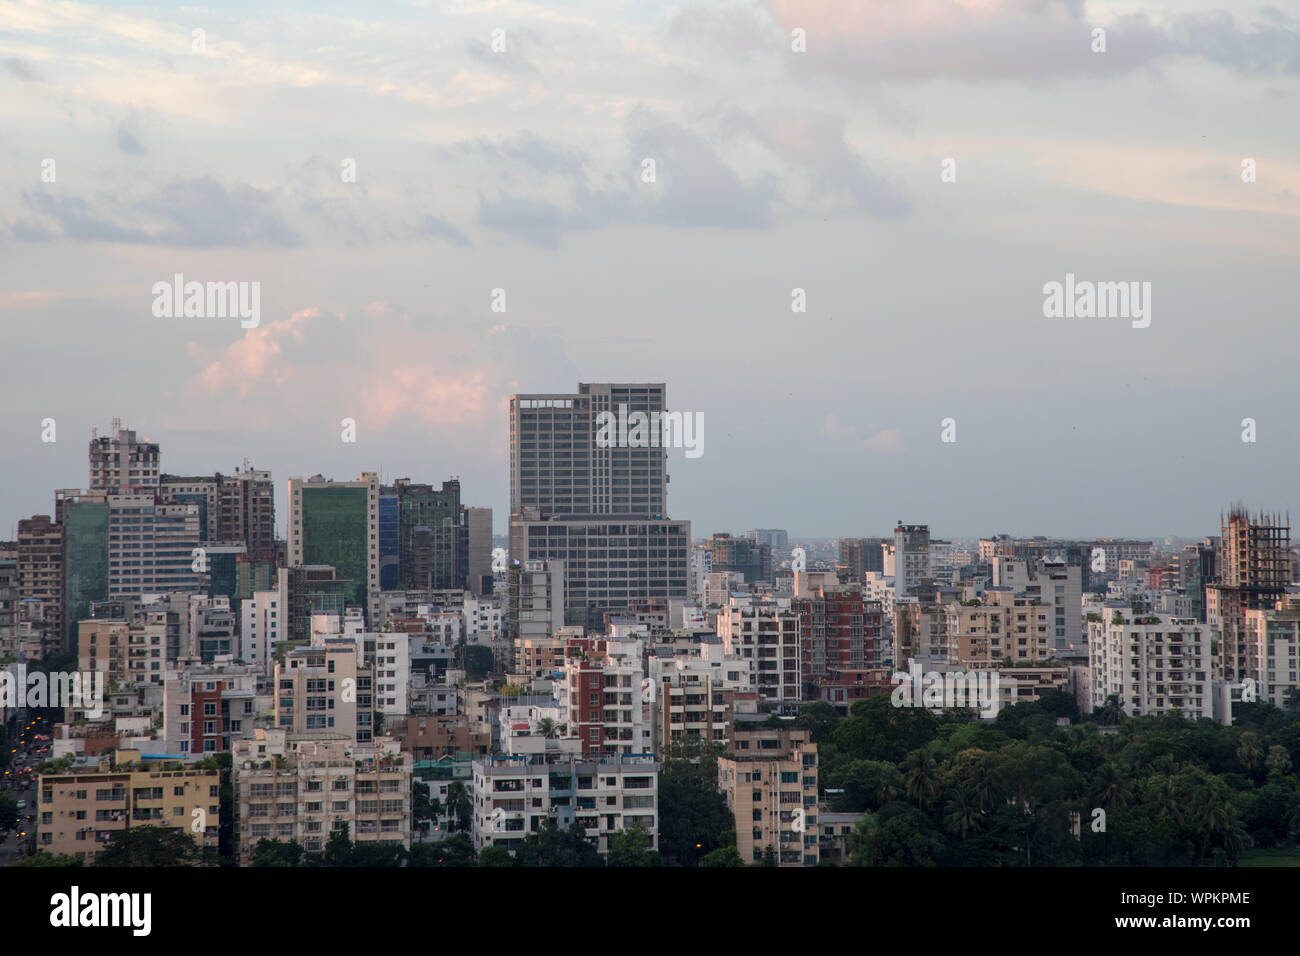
(22,804)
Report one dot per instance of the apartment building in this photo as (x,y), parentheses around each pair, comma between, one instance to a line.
(392,666)
(768,776)
(767,633)
(1003,627)
(1272,639)
(599,694)
(40,575)
(911,556)
(514,795)
(84,808)
(1057,584)
(121,464)
(303,787)
(1154,664)
(206,706)
(324,688)
(838,629)
(695,690)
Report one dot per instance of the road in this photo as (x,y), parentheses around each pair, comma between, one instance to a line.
(20,783)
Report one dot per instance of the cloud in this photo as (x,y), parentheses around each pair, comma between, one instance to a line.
(20,69)
(193,213)
(436,228)
(813,144)
(128,143)
(1017,39)
(246,361)
(888,441)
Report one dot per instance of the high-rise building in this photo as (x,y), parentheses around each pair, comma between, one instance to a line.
(767,633)
(777,540)
(743,556)
(40,576)
(480,550)
(233,509)
(1153,664)
(599,506)
(858,556)
(84,519)
(837,629)
(911,556)
(768,777)
(558,468)
(336,523)
(323,688)
(122,465)
(1253,567)
(153,547)
(433,536)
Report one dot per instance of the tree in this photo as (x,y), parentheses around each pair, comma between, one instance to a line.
(693,815)
(632,847)
(551,846)
(425,808)
(722,856)
(152,847)
(476,660)
(460,808)
(546,727)
(1249,751)
(8,812)
(456,850)
(277,853)
(495,856)
(46,858)
(769,856)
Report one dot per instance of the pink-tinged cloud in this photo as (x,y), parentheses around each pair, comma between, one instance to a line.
(247,360)
(418,392)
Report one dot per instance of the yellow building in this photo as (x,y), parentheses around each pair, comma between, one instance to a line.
(82,810)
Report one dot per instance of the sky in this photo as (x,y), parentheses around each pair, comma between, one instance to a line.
(921,170)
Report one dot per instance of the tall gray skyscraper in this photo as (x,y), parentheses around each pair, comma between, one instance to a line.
(601,507)
(557,468)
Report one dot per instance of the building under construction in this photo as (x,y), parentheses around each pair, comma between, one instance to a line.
(1254,567)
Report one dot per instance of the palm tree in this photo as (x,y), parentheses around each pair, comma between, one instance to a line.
(547,728)
(460,809)
(921,776)
(1249,751)
(964,815)
(1110,712)
(1112,787)
(1164,797)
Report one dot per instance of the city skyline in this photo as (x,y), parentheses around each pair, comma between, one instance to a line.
(449,206)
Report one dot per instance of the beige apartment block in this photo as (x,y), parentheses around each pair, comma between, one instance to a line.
(768,776)
(302,787)
(82,810)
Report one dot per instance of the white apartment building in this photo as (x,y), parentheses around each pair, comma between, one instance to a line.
(1153,663)
(694,691)
(392,665)
(264,620)
(767,633)
(484,619)
(1273,652)
(1056,584)
(514,796)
